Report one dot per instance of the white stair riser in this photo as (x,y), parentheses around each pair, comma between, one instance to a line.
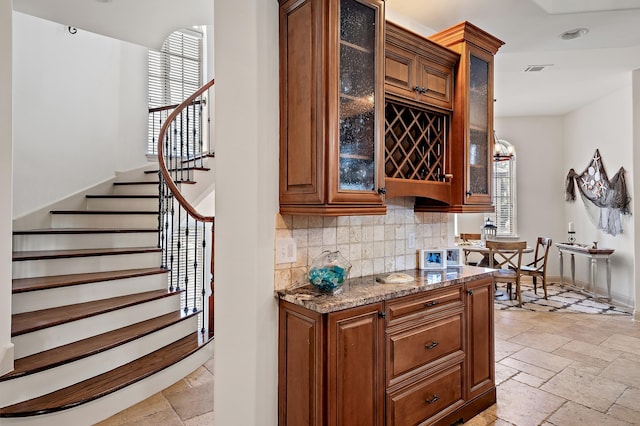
(84,241)
(102,408)
(51,337)
(84,265)
(51,298)
(41,383)
(138,189)
(102,221)
(122,204)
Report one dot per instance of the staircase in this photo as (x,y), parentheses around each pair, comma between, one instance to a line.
(95,325)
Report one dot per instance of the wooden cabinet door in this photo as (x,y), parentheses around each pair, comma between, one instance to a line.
(331,106)
(399,71)
(355,351)
(300,378)
(435,85)
(480,343)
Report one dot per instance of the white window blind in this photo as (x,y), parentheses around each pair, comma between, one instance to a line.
(175,72)
(504,189)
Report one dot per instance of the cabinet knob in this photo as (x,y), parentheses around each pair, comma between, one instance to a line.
(432,345)
(432,400)
(423,90)
(382,191)
(470,292)
(469,193)
(382,314)
(416,89)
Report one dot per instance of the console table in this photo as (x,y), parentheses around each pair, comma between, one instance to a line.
(594,254)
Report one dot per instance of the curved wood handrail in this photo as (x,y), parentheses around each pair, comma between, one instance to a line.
(163,168)
(167,107)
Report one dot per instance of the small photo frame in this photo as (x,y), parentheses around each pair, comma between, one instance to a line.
(432,259)
(453,256)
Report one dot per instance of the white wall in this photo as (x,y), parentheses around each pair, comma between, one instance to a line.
(6,348)
(540,174)
(246,70)
(636,189)
(605,124)
(79,110)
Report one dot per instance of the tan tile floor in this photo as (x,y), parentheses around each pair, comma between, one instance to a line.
(551,369)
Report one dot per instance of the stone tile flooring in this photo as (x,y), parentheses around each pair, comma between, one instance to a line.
(552,369)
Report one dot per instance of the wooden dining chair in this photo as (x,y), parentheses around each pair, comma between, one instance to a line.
(468,238)
(538,268)
(506,257)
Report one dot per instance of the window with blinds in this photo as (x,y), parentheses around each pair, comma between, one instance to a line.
(504,189)
(175,72)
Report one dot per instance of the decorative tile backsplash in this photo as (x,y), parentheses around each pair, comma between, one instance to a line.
(373,244)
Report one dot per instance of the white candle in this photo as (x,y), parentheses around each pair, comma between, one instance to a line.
(571,227)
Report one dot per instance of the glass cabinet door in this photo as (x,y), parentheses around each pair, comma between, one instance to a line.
(478,183)
(357,94)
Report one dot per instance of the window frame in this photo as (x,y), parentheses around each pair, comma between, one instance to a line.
(504,180)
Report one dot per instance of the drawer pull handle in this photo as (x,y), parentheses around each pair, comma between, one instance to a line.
(431,303)
(432,345)
(432,400)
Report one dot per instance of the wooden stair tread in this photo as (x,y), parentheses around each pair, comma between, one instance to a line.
(98,212)
(109,382)
(37,320)
(115,196)
(91,345)
(137,182)
(22,285)
(199,168)
(45,231)
(59,254)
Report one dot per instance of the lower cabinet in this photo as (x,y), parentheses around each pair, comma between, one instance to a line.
(331,366)
(420,359)
(480,340)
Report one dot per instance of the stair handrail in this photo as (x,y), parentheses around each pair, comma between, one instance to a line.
(173,188)
(163,168)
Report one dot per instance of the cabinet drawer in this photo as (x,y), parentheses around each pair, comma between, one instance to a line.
(423,344)
(435,395)
(425,303)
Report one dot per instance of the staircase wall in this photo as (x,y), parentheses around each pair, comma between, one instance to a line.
(81,113)
(6,347)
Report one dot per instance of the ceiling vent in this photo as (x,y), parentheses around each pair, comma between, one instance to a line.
(536,68)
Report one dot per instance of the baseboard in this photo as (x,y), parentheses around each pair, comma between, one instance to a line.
(6,358)
(601,291)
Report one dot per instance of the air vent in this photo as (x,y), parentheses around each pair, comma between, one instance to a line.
(536,68)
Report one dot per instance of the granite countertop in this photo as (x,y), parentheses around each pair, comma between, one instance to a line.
(364,290)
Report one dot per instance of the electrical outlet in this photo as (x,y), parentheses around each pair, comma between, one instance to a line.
(286,249)
(411,240)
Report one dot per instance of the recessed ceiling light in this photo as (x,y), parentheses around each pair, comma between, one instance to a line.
(571,34)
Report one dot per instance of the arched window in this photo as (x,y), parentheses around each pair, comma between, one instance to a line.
(504,188)
(175,72)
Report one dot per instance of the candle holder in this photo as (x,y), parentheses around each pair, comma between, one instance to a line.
(572,237)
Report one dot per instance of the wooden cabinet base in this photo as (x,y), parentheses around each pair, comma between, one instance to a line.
(425,358)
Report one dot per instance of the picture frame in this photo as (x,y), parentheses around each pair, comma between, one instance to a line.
(433,259)
(453,256)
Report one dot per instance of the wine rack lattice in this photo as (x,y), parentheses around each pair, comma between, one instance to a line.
(414,143)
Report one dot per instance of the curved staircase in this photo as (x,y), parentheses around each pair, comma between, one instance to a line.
(96,327)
